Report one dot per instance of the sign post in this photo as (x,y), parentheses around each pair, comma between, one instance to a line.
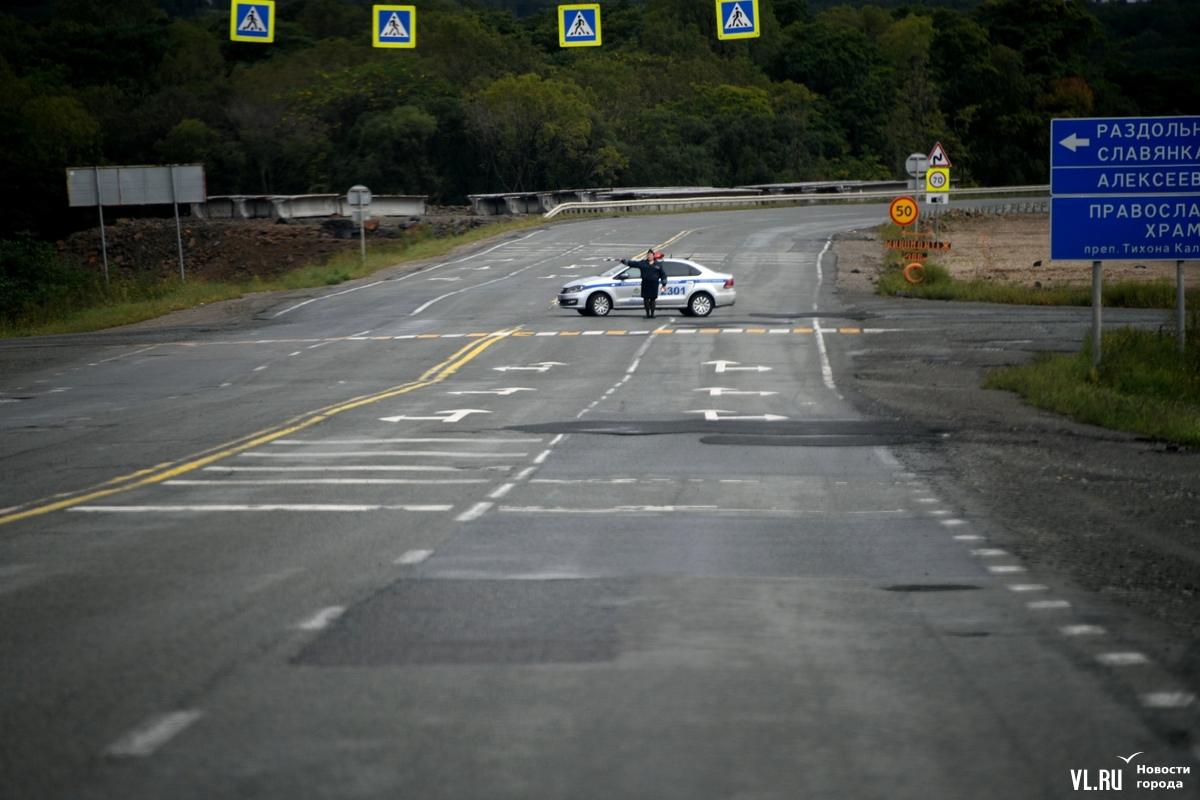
(359,198)
(1127,188)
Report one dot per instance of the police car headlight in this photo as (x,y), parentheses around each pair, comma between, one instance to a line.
(571,289)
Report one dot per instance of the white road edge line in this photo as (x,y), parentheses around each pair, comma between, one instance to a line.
(404,277)
(826,369)
(153,734)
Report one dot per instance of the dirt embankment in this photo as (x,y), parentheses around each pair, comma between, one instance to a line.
(1009,248)
(234,250)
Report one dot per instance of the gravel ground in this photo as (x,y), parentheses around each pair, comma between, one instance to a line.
(1112,515)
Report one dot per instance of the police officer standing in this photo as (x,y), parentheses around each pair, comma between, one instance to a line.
(653,276)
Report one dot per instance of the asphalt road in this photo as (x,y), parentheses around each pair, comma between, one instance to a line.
(434,537)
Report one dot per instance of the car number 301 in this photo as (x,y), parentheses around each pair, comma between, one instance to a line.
(670,290)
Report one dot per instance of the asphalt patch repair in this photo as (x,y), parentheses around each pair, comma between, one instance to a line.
(786,433)
(477,622)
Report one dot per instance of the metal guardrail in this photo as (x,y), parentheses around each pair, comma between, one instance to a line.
(668,204)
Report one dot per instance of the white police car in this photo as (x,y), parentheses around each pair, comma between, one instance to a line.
(692,288)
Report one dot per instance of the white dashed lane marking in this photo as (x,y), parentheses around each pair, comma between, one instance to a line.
(1122,659)
(152,734)
(321,619)
(411,557)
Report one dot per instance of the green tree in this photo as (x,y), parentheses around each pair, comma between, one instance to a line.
(847,71)
(537,133)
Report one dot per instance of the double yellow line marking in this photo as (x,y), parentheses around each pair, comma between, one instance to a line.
(171,469)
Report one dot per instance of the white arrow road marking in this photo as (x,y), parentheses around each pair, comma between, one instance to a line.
(455,415)
(718,391)
(1072,142)
(541,366)
(503,392)
(727,366)
(714,415)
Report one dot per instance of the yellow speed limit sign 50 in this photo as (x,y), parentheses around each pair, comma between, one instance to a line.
(903,211)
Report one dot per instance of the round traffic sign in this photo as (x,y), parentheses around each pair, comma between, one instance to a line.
(916,164)
(903,211)
(937,179)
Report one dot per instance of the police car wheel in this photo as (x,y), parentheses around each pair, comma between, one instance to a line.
(701,305)
(599,304)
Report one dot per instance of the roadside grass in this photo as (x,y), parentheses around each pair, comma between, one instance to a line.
(96,305)
(939,285)
(1143,385)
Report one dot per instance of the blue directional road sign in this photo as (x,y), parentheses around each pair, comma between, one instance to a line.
(395,26)
(737,19)
(1125,188)
(579,25)
(252,21)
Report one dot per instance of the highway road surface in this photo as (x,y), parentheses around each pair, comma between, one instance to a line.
(434,537)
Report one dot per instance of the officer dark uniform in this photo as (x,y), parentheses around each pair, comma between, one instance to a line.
(653,276)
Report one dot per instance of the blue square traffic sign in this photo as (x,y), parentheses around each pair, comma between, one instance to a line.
(579,25)
(252,21)
(737,19)
(395,26)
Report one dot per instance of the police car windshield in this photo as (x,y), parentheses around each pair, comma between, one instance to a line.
(610,272)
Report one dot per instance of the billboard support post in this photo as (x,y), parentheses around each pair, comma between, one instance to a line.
(1180,307)
(1096,302)
(103,241)
(178,227)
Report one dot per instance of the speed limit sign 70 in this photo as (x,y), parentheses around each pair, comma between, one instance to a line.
(903,211)
(937,179)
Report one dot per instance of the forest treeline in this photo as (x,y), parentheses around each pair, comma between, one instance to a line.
(488,101)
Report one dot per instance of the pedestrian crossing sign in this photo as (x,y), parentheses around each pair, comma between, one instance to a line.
(579,26)
(395,26)
(737,19)
(252,21)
